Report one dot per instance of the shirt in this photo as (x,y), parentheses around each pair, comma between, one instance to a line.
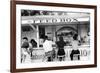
(61,44)
(75,44)
(25,45)
(47,46)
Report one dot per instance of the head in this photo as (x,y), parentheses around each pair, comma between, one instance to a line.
(32,41)
(45,38)
(25,42)
(61,38)
(75,37)
(25,39)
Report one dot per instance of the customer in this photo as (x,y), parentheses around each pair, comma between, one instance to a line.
(61,52)
(32,44)
(47,46)
(75,52)
(24,49)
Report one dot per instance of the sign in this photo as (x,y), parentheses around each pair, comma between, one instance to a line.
(54,20)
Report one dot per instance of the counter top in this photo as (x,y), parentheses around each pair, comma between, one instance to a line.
(67,47)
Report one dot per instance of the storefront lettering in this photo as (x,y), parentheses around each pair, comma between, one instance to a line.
(55,20)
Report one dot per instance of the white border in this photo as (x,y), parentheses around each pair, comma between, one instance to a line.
(51,64)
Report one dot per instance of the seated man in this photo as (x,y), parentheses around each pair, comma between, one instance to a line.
(75,52)
(47,46)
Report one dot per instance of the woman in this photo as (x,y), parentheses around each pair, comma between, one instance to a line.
(61,52)
(32,44)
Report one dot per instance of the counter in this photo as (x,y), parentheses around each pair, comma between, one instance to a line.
(84,52)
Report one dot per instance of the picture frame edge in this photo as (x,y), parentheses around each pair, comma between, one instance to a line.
(13,35)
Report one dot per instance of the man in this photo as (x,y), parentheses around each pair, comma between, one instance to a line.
(47,46)
(24,49)
(75,53)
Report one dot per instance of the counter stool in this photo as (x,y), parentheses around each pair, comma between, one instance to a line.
(61,58)
(48,56)
(76,57)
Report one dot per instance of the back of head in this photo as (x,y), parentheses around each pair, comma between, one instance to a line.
(75,37)
(61,38)
(46,38)
(25,38)
(32,41)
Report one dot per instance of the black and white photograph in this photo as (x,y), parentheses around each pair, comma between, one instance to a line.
(54,36)
(50,36)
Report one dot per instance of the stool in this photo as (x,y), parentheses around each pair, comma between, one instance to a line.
(61,57)
(76,56)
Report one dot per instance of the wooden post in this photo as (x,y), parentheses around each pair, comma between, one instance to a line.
(37,28)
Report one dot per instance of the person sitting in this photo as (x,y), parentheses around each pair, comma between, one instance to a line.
(61,52)
(24,49)
(32,44)
(75,53)
(47,46)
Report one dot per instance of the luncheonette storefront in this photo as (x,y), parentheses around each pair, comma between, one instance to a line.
(36,27)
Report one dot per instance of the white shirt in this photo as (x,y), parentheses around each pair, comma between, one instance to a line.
(75,44)
(47,46)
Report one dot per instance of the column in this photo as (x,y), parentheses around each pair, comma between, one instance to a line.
(37,28)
